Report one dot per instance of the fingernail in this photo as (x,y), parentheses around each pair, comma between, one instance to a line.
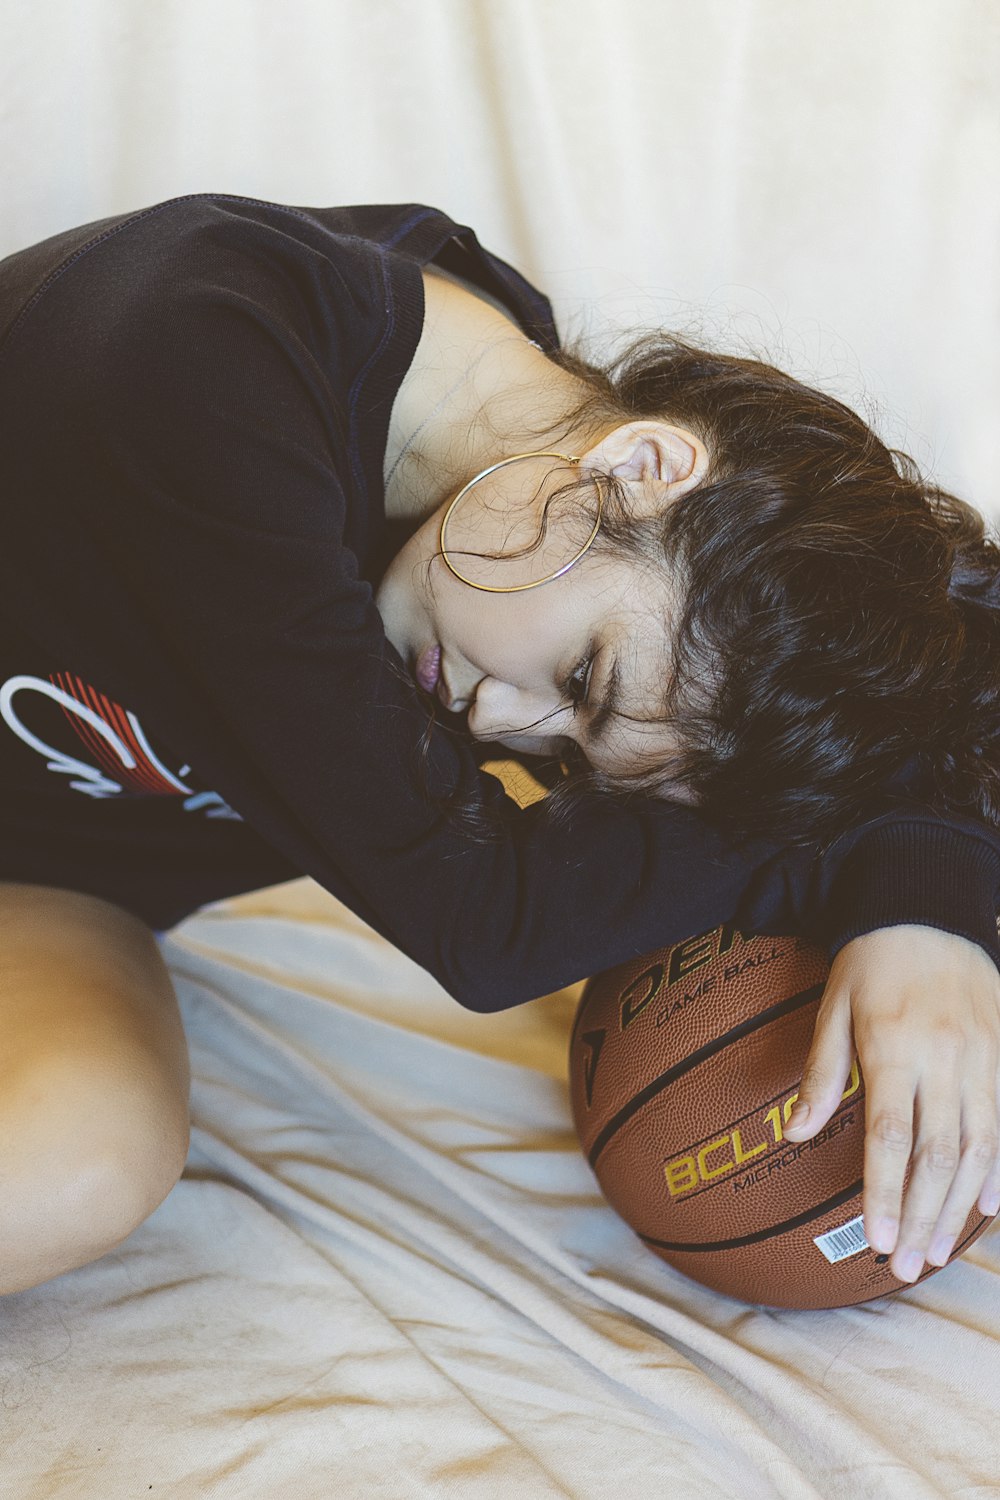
(884,1236)
(798,1116)
(992,1206)
(910,1265)
(941,1248)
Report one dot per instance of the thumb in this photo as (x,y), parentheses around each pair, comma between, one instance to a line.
(827,1068)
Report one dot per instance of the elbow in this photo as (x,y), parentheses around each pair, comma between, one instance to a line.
(489,988)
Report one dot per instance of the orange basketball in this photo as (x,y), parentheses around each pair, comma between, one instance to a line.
(684,1066)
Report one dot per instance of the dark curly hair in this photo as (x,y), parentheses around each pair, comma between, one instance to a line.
(840,616)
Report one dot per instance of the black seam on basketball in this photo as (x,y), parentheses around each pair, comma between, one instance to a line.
(814,1212)
(693,1248)
(650,1091)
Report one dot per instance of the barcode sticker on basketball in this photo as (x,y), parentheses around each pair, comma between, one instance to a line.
(838,1244)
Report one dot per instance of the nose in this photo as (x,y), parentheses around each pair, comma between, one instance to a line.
(489,709)
(496,708)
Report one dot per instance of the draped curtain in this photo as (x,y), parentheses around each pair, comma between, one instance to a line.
(816,183)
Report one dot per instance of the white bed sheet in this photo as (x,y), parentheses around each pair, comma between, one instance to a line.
(387,1271)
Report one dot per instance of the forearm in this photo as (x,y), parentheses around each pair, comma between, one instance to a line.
(544,906)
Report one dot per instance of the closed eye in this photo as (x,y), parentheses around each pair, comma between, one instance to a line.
(578,684)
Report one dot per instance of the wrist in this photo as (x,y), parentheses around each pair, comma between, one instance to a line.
(922,873)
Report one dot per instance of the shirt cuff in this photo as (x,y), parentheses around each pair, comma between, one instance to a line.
(917,872)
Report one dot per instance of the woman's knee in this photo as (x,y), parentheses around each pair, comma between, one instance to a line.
(80,1169)
(94,1081)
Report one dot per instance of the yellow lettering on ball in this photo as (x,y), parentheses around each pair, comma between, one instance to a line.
(707,1173)
(681,1175)
(853,1083)
(738,1151)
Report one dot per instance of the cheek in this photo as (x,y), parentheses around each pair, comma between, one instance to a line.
(489,631)
(402,620)
(403,596)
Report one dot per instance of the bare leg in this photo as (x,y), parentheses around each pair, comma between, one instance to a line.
(94,1081)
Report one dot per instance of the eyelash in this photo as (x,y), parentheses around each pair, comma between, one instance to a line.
(576,690)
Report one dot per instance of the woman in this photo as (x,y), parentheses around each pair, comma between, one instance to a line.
(226,423)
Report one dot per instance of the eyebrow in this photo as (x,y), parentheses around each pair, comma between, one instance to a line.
(610,704)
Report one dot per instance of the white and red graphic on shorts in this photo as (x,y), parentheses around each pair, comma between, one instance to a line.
(120,759)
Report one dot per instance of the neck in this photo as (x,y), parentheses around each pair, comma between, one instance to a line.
(477,391)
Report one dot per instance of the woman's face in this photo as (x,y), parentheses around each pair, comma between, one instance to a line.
(570,660)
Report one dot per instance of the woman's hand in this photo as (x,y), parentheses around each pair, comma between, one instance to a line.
(921,1009)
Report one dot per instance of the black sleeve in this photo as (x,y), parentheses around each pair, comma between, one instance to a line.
(228,521)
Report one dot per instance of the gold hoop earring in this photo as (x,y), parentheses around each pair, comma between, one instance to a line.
(516,588)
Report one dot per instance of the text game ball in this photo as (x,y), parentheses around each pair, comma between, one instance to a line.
(684,1066)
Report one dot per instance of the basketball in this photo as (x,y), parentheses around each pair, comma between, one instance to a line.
(684,1066)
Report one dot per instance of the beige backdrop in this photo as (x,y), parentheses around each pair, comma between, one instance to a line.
(819,181)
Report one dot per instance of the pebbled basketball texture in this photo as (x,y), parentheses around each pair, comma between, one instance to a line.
(684,1066)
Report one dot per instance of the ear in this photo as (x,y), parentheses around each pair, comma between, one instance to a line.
(673,458)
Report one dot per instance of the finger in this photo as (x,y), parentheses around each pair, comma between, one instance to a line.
(827,1068)
(989,1198)
(889,1096)
(937,1153)
(979,1149)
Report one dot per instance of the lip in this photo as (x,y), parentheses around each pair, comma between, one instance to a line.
(428,667)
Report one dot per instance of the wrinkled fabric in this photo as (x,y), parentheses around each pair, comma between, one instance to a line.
(388,1271)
